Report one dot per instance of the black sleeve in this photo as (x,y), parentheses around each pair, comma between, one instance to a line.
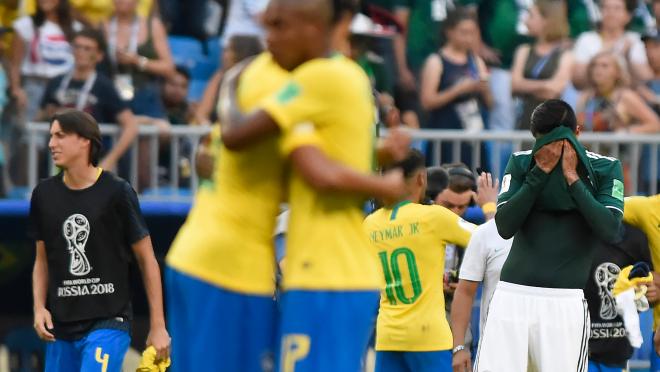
(49,97)
(639,244)
(112,104)
(135,228)
(35,231)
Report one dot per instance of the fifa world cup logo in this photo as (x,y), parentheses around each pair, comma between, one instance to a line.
(605,277)
(76,231)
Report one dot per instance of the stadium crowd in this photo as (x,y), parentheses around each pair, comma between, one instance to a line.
(472,65)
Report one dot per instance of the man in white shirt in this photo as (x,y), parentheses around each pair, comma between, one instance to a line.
(243,19)
(482,262)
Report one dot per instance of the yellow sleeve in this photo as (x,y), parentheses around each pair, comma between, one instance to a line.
(301,100)
(303,134)
(454,229)
(633,210)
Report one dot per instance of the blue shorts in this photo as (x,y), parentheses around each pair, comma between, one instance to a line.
(101,350)
(600,367)
(325,331)
(216,329)
(417,361)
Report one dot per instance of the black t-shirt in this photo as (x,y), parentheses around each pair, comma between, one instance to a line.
(103,102)
(88,236)
(608,343)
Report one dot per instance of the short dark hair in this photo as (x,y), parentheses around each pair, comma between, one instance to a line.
(461,178)
(437,180)
(245,46)
(93,34)
(411,164)
(457,16)
(551,114)
(631,5)
(84,125)
(182,70)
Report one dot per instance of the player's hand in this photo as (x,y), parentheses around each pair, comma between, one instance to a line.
(569,163)
(43,322)
(395,146)
(461,361)
(393,186)
(161,341)
(548,156)
(487,189)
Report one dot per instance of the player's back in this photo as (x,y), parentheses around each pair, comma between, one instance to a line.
(326,249)
(227,238)
(410,241)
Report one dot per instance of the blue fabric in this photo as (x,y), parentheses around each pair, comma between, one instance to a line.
(325,331)
(599,367)
(216,329)
(89,354)
(417,361)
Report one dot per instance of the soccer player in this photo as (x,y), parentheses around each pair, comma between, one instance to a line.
(644,213)
(557,201)
(410,239)
(221,264)
(482,263)
(325,115)
(88,228)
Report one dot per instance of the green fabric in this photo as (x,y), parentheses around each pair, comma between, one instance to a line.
(498,20)
(578,18)
(555,196)
(424,34)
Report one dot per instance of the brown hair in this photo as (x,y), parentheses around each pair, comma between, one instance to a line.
(555,14)
(84,125)
(623,79)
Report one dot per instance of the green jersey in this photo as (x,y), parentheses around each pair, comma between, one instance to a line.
(553,244)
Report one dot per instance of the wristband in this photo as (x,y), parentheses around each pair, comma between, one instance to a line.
(489,207)
(457,349)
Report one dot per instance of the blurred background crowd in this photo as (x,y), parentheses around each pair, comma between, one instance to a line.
(469,65)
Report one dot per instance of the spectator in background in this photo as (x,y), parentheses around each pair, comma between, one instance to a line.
(85,90)
(454,83)
(543,69)
(4,177)
(243,19)
(238,48)
(175,97)
(140,57)
(99,11)
(612,36)
(40,51)
(609,104)
(651,94)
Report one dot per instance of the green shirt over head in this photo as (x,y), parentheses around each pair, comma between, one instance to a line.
(555,226)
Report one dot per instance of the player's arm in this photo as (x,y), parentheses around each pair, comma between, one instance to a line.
(520,190)
(42,318)
(604,211)
(158,336)
(327,175)
(461,311)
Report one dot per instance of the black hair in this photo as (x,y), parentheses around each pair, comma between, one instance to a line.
(339,7)
(456,16)
(64,18)
(84,125)
(550,115)
(631,5)
(245,46)
(92,34)
(411,164)
(437,180)
(182,70)
(461,178)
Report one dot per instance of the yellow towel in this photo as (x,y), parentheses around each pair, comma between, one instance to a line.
(148,362)
(624,283)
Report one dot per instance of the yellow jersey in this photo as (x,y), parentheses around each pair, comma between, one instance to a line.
(97,11)
(227,239)
(409,240)
(327,104)
(644,213)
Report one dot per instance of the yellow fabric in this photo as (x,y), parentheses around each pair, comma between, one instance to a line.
(410,242)
(644,213)
(328,105)
(148,362)
(623,283)
(9,15)
(227,239)
(97,11)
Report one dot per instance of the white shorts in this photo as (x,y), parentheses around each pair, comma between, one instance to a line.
(534,329)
